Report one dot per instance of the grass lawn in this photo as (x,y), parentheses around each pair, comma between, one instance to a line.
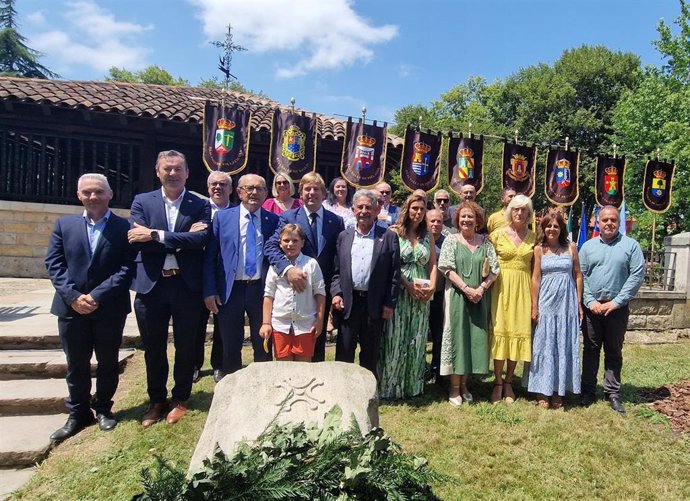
(489,452)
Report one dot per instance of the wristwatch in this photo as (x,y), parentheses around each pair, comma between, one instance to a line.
(155,236)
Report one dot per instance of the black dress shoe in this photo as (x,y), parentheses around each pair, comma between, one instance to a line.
(196,375)
(616,405)
(106,421)
(587,399)
(217,375)
(71,428)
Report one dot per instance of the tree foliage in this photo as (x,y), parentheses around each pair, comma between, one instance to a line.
(150,75)
(16,58)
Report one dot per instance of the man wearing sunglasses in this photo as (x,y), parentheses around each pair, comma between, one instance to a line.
(442,203)
(388,212)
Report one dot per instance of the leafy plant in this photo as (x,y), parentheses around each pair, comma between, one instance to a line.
(300,461)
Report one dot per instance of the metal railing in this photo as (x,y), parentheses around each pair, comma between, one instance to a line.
(660,272)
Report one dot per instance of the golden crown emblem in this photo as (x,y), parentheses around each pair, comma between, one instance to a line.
(466,153)
(365,140)
(660,174)
(422,148)
(224,123)
(611,171)
(563,163)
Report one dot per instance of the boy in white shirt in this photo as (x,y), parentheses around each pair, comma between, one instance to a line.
(293,319)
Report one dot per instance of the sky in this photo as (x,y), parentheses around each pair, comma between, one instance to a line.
(335,56)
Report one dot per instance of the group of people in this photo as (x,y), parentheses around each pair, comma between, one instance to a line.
(386,276)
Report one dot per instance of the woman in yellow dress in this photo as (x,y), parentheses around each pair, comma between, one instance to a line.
(511,298)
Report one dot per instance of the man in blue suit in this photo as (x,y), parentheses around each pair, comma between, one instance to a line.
(168,281)
(322,228)
(235,268)
(90,264)
(388,213)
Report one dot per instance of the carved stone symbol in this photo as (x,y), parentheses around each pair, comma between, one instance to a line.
(300,393)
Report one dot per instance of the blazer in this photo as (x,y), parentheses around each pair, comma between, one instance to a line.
(221,258)
(393,212)
(148,209)
(331,228)
(74,271)
(384,280)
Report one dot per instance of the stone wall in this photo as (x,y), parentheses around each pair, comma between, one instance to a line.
(24,233)
(660,311)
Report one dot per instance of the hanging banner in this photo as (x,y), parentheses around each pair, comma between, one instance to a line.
(420,165)
(226,138)
(466,163)
(293,144)
(518,167)
(608,180)
(561,176)
(656,188)
(364,154)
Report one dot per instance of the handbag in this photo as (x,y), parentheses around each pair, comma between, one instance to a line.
(486,267)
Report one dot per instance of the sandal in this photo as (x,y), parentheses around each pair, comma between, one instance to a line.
(497,394)
(542,402)
(508,393)
(556,402)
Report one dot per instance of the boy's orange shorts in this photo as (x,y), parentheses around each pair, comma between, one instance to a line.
(285,345)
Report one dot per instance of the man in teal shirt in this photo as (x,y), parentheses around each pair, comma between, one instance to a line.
(613,271)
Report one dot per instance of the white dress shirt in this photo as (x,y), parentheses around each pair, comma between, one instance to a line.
(360,259)
(258,250)
(319,226)
(172,209)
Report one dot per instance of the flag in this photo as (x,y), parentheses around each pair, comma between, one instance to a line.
(466,165)
(518,167)
(561,176)
(226,138)
(569,224)
(364,154)
(420,166)
(656,188)
(293,144)
(595,231)
(582,236)
(623,226)
(608,180)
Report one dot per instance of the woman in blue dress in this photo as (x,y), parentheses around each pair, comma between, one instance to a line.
(557,310)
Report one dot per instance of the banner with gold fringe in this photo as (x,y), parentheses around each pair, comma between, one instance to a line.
(466,162)
(226,138)
(420,165)
(364,154)
(561,176)
(608,180)
(657,185)
(293,144)
(519,165)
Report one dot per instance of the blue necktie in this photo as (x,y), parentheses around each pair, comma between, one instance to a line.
(315,230)
(250,255)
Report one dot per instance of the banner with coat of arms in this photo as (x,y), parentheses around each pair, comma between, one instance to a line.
(656,187)
(293,144)
(561,176)
(466,163)
(608,180)
(226,138)
(519,163)
(364,154)
(420,166)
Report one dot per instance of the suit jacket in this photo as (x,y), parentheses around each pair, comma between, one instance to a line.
(384,280)
(148,209)
(393,212)
(332,227)
(221,258)
(74,271)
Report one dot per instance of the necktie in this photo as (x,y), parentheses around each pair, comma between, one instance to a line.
(314,229)
(250,254)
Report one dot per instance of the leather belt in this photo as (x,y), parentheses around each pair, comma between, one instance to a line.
(247,282)
(357,293)
(170,273)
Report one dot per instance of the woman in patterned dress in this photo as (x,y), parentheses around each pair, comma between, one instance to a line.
(557,309)
(465,341)
(339,201)
(401,366)
(511,299)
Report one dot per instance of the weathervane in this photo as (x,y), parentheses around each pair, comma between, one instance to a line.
(226,59)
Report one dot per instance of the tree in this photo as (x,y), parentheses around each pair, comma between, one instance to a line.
(234,86)
(150,75)
(16,58)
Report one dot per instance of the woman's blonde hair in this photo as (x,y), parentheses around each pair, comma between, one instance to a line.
(274,191)
(517,202)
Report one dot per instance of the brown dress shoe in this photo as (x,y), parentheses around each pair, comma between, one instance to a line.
(154,414)
(178,411)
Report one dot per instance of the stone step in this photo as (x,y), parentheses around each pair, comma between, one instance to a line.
(12,479)
(34,396)
(24,439)
(42,364)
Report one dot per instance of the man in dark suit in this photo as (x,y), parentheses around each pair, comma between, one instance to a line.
(235,268)
(365,283)
(168,281)
(90,264)
(322,228)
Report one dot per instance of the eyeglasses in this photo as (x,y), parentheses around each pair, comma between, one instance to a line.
(222,184)
(280,183)
(442,200)
(249,189)
(384,192)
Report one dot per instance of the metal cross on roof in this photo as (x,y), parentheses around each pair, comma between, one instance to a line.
(226,59)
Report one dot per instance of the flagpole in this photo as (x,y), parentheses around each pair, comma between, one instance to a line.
(653,234)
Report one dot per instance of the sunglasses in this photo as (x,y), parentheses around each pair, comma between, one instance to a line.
(442,200)
(383,192)
(222,184)
(281,183)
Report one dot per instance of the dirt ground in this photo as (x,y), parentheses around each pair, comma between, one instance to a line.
(673,401)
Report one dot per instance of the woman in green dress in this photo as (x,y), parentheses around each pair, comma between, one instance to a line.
(469,262)
(401,366)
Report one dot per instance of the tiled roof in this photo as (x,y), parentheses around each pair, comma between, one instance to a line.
(176,103)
